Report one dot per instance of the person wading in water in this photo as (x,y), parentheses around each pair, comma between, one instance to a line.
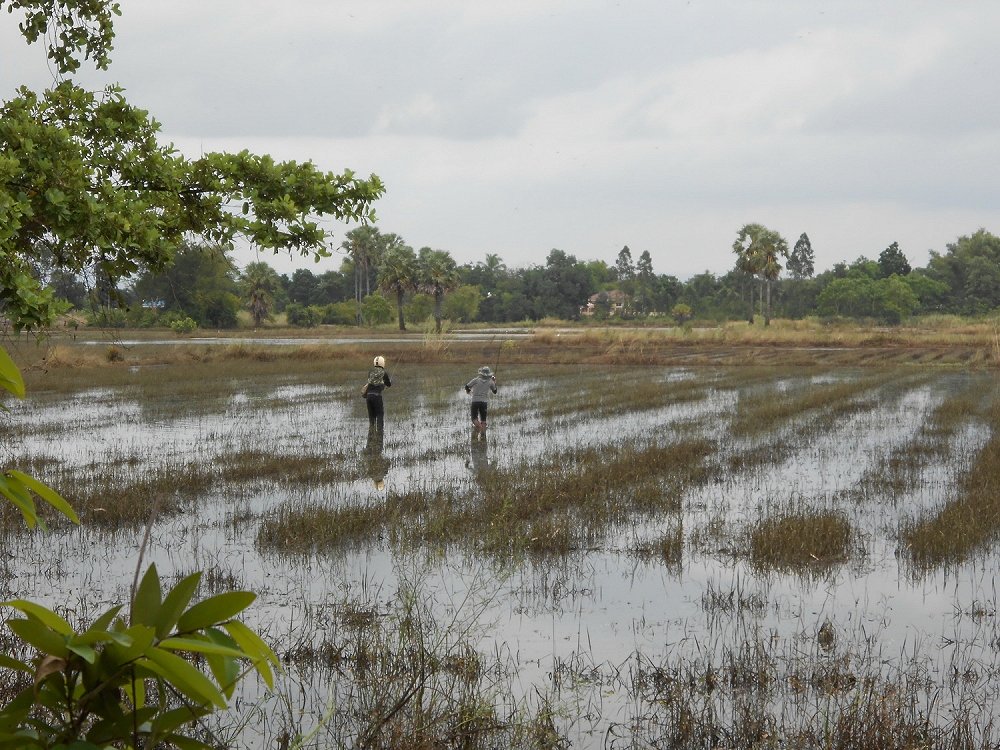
(480,387)
(378,381)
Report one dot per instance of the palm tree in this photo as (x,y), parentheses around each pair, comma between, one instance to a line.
(438,275)
(773,247)
(259,283)
(758,250)
(495,268)
(362,244)
(398,273)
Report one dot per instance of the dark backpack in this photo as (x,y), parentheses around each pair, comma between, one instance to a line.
(376,376)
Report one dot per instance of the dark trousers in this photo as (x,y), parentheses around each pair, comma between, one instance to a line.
(376,411)
(478,410)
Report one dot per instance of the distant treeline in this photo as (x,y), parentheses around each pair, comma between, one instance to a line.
(381,279)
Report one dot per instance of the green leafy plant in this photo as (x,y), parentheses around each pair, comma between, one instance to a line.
(133,681)
(183,325)
(85,176)
(19,488)
(121,682)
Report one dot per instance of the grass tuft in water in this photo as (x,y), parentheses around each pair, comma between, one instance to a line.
(800,541)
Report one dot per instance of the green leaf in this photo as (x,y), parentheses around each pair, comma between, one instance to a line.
(114,728)
(135,691)
(86,653)
(214,610)
(202,647)
(44,615)
(91,637)
(102,622)
(139,637)
(10,376)
(170,720)
(146,604)
(174,603)
(42,638)
(225,670)
(15,492)
(46,493)
(16,741)
(10,662)
(179,673)
(256,649)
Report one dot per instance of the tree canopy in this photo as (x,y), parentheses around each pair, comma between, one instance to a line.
(802,258)
(83,181)
(759,251)
(85,177)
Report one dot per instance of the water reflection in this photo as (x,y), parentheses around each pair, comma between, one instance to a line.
(375,463)
(479,453)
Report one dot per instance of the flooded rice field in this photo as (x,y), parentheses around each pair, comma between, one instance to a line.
(629,557)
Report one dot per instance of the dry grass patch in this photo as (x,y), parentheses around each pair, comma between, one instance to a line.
(307,527)
(255,466)
(126,496)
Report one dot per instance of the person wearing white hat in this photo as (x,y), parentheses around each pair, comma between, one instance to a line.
(480,387)
(378,381)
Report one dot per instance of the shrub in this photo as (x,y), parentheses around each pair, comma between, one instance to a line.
(340,313)
(681,313)
(108,317)
(302,316)
(143,317)
(376,310)
(184,325)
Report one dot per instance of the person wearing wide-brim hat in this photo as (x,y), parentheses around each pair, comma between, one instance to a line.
(480,387)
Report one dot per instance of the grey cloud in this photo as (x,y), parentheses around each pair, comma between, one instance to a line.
(926,145)
(225,77)
(954,98)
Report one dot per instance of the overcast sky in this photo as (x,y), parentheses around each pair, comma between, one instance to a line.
(520,126)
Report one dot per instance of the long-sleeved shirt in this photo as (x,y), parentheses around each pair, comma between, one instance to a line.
(481,386)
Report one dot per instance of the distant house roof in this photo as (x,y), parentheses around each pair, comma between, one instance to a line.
(613,296)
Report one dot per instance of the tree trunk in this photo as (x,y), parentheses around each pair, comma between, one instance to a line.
(399,306)
(767,313)
(750,316)
(438,296)
(357,292)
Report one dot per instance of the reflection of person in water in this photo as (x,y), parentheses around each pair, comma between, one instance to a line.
(480,455)
(376,464)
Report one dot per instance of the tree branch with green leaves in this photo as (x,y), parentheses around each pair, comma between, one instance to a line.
(86,181)
(84,176)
